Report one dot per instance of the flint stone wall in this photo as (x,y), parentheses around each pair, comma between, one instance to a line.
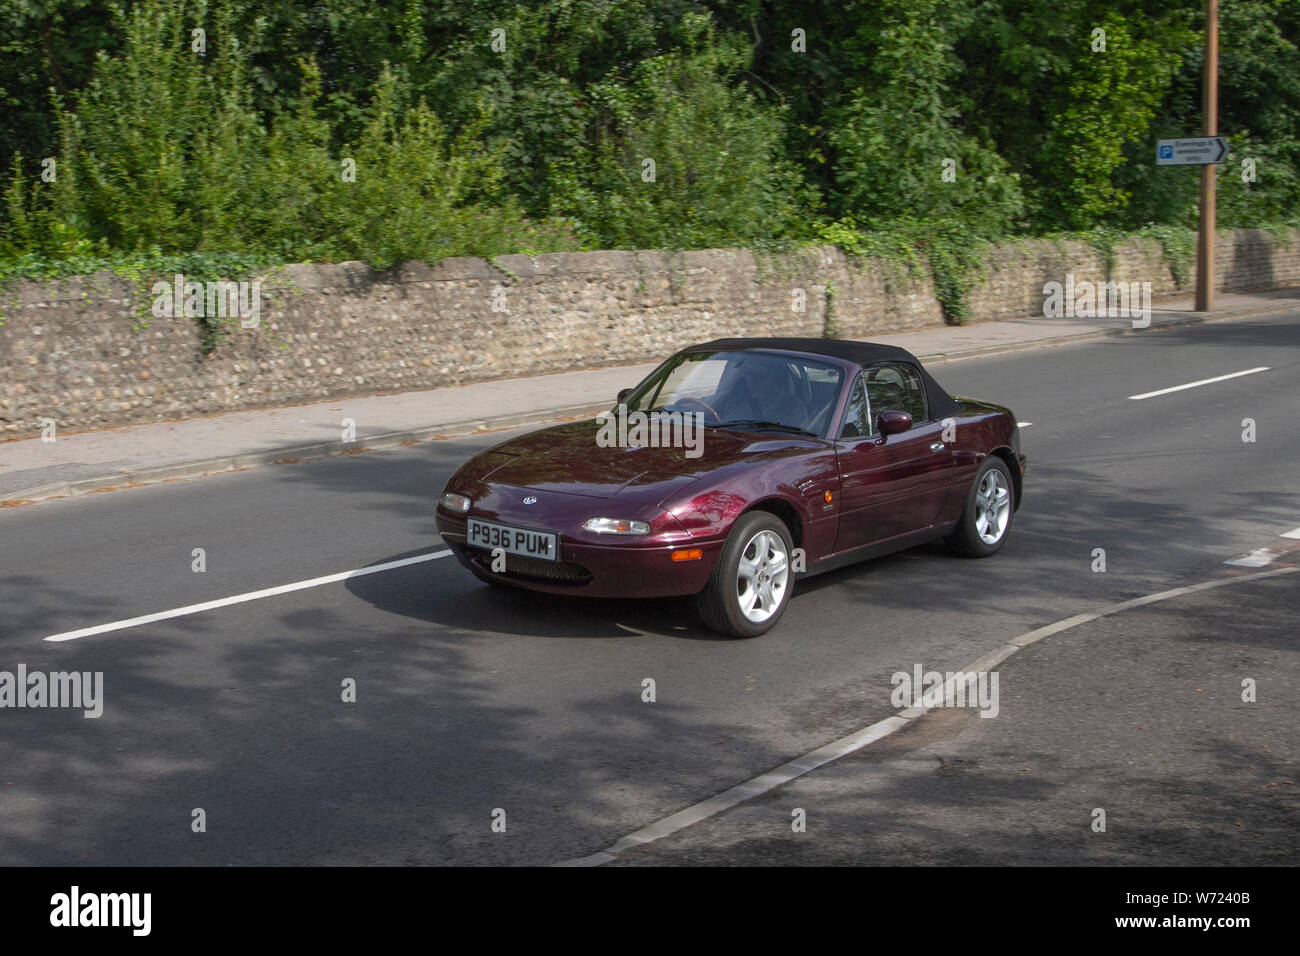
(88,353)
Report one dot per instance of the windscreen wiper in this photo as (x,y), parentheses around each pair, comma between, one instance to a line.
(758,423)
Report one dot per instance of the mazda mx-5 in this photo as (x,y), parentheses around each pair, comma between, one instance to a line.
(734,468)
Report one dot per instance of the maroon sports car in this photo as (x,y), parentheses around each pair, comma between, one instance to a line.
(734,467)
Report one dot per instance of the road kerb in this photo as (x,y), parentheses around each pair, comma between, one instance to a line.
(299,452)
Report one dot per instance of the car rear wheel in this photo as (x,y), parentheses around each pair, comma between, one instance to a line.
(990,505)
(751,583)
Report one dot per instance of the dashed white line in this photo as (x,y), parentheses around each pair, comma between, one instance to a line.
(1256,559)
(1204,381)
(1264,556)
(241,598)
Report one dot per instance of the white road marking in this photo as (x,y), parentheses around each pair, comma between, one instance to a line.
(883,728)
(241,598)
(1204,381)
(739,794)
(1025,424)
(1292,534)
(1256,559)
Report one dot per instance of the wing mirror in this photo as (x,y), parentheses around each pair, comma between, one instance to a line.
(891,423)
(622,395)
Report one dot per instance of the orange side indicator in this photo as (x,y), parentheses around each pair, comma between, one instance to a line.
(693,554)
(828,497)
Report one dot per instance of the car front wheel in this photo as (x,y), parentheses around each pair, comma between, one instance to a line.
(751,583)
(990,504)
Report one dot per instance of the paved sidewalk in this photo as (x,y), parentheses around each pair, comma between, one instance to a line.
(79,462)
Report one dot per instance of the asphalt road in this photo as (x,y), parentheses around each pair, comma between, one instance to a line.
(1184,771)
(469,701)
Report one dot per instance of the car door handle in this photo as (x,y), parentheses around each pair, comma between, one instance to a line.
(936,446)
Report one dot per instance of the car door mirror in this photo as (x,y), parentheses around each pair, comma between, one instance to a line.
(891,423)
(622,395)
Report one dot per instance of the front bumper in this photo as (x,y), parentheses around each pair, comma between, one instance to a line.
(629,568)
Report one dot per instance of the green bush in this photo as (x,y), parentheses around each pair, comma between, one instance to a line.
(900,153)
(500,126)
(718,175)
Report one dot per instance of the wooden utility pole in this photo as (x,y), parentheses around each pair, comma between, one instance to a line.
(1210,109)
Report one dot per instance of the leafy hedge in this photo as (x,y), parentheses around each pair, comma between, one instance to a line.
(344,129)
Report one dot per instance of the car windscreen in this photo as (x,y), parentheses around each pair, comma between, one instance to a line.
(733,387)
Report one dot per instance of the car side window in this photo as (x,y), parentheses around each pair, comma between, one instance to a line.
(896,388)
(857,414)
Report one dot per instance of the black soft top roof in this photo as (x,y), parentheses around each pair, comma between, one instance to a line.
(941,403)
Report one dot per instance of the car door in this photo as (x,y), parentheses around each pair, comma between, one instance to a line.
(895,484)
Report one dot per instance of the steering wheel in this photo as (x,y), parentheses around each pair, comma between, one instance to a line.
(700,401)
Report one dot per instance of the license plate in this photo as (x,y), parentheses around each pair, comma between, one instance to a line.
(523,541)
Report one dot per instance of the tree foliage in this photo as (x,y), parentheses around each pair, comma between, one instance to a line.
(488,126)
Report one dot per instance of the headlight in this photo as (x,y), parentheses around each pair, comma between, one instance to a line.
(454,502)
(615,526)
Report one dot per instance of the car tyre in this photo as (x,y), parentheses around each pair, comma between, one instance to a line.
(990,505)
(751,584)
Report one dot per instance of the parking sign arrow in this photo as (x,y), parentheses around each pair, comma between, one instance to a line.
(1192,151)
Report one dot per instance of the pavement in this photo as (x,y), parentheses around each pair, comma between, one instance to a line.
(81,462)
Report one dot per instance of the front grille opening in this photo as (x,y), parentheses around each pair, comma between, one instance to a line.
(524,568)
